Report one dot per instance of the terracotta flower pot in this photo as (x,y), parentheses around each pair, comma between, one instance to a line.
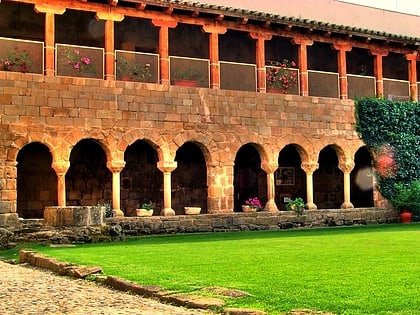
(405,217)
(144,212)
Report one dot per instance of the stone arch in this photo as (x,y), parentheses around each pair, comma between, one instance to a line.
(141,180)
(153,138)
(190,178)
(362,179)
(290,178)
(88,180)
(36,181)
(328,178)
(250,180)
(51,143)
(304,147)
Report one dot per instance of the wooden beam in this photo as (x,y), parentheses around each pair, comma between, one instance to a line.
(169,10)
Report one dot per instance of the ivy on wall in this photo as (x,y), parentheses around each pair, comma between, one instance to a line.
(391,130)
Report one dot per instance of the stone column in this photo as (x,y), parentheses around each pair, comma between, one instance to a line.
(342,69)
(50,12)
(109,18)
(116,167)
(309,169)
(167,167)
(412,75)
(8,193)
(164,48)
(260,62)
(270,169)
(214,53)
(61,168)
(346,167)
(303,63)
(378,70)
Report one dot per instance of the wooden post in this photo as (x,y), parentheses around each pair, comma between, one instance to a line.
(164,48)
(260,59)
(214,53)
(378,70)
(412,75)
(303,63)
(342,69)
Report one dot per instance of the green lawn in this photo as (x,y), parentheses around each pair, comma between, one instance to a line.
(357,270)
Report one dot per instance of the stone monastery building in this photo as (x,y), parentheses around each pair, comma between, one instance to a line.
(92,109)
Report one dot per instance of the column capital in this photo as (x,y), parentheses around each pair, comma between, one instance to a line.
(61,167)
(270,168)
(215,29)
(302,41)
(346,166)
(167,166)
(117,17)
(115,166)
(342,46)
(45,8)
(259,35)
(309,168)
(379,52)
(412,57)
(163,23)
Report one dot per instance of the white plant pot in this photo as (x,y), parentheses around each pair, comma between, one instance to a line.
(246,208)
(144,212)
(192,210)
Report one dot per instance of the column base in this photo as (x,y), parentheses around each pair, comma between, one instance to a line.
(347,205)
(117,213)
(311,206)
(271,206)
(167,212)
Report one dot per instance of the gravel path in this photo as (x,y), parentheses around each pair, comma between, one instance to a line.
(26,290)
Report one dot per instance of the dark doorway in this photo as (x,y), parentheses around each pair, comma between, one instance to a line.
(361,177)
(141,180)
(189,179)
(36,181)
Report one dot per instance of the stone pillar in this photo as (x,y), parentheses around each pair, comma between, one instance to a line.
(214,53)
(346,167)
(270,169)
(164,48)
(412,75)
(116,167)
(8,194)
(50,12)
(342,69)
(109,18)
(303,63)
(61,168)
(260,62)
(378,70)
(309,169)
(167,167)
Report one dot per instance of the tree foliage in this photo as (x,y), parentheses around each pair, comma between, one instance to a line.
(393,126)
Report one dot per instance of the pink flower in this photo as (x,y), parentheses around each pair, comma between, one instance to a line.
(76,66)
(86,60)
(293,64)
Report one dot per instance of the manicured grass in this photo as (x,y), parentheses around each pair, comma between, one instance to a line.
(357,270)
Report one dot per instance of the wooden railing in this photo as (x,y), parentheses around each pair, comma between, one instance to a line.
(81,61)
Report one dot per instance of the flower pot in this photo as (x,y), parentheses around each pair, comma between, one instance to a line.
(192,210)
(246,208)
(405,217)
(274,90)
(190,83)
(144,212)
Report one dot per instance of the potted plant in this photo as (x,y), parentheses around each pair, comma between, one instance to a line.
(16,60)
(192,210)
(252,205)
(297,205)
(132,70)
(407,199)
(146,209)
(279,77)
(188,77)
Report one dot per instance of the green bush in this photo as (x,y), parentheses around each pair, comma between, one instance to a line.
(395,126)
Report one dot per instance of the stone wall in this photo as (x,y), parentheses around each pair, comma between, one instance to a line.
(256,221)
